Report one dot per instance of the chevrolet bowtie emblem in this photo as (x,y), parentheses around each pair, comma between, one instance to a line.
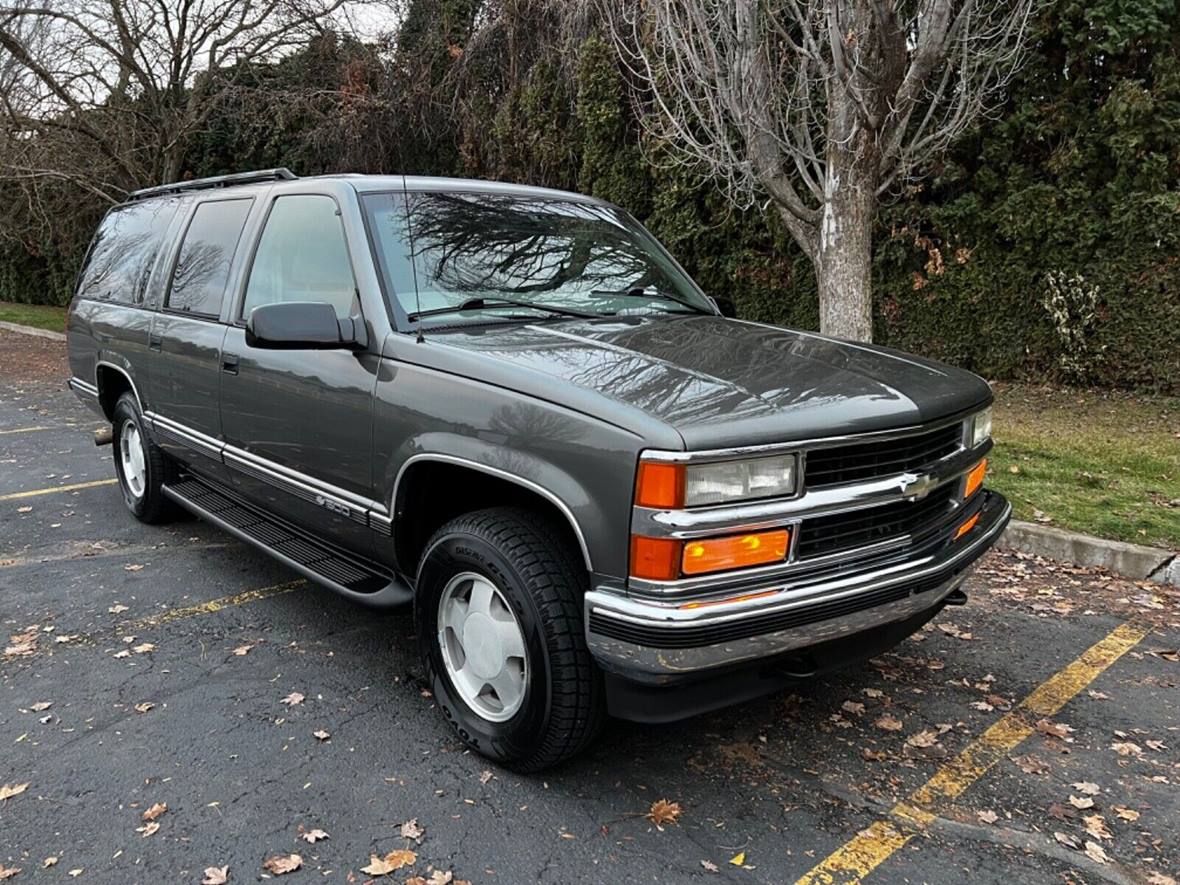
(916,486)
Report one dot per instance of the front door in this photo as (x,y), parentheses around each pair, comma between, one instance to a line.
(298,423)
(186,336)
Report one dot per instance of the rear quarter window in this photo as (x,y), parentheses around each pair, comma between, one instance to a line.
(124,251)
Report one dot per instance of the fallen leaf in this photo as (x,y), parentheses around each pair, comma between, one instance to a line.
(437,877)
(216,876)
(283,863)
(132,567)
(853,707)
(1086,787)
(9,790)
(117,609)
(663,812)
(1158,746)
(1160,878)
(1030,764)
(738,859)
(888,723)
(144,648)
(148,829)
(1053,729)
(8,872)
(74,874)
(155,811)
(40,705)
(1095,852)
(485,776)
(144,707)
(50,861)
(1126,748)
(710,866)
(1081,802)
(1096,826)
(321,735)
(241,651)
(293,699)
(313,836)
(1126,813)
(924,738)
(411,830)
(1067,840)
(395,860)
(987,817)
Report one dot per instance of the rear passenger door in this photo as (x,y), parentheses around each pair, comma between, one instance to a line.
(298,423)
(187,334)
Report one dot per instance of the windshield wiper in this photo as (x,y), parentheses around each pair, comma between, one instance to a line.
(479,303)
(640,292)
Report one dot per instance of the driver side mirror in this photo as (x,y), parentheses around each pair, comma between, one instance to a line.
(303,325)
(725,306)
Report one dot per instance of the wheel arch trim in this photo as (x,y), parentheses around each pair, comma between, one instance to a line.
(99,364)
(529,484)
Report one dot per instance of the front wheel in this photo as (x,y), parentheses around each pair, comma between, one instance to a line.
(498,614)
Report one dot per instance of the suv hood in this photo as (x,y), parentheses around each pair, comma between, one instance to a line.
(717,382)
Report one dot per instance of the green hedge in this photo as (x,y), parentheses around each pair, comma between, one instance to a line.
(1076,178)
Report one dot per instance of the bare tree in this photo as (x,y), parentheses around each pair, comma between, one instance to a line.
(108,94)
(822,105)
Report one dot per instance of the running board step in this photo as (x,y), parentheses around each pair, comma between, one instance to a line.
(312,559)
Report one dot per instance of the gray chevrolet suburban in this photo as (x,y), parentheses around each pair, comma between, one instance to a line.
(511,408)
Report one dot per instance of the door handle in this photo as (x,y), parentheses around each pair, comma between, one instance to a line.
(229,363)
(155,342)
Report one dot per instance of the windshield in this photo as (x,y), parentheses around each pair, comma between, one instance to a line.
(494,255)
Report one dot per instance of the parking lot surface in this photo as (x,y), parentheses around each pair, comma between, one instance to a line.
(1031,736)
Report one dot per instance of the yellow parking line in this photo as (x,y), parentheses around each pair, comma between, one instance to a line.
(215,605)
(871,847)
(23,430)
(15,496)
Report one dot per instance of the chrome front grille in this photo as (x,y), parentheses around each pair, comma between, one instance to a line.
(886,457)
(840,532)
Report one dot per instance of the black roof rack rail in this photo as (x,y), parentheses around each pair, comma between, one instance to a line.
(280,174)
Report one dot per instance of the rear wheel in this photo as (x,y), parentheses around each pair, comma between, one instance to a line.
(139,463)
(498,613)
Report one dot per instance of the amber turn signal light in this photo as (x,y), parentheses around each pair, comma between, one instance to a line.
(735,551)
(655,559)
(975,479)
(660,485)
(967,526)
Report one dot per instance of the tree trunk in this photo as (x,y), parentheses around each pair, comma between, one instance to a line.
(843,259)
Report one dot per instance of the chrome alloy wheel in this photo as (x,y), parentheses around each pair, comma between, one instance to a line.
(132,458)
(482,646)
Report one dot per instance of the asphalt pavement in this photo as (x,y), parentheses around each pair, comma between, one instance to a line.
(1031,736)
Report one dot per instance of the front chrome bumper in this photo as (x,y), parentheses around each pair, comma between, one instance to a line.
(650,639)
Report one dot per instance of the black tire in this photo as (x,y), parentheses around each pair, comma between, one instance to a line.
(544,581)
(148,505)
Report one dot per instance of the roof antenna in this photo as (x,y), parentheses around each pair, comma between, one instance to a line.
(413,259)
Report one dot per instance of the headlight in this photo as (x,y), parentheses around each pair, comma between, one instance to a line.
(981,426)
(726,481)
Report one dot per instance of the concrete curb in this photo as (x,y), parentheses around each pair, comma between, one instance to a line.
(32,330)
(1129,560)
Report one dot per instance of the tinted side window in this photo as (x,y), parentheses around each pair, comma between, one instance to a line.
(302,256)
(124,250)
(198,283)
